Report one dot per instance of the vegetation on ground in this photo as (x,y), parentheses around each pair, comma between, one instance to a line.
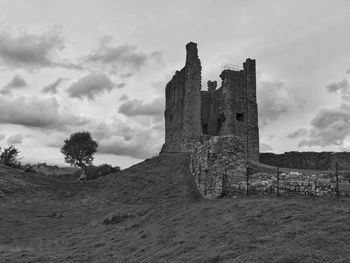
(155,214)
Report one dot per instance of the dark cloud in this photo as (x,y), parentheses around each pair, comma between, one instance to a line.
(329,127)
(90,86)
(15,139)
(138,107)
(341,87)
(273,100)
(126,75)
(52,87)
(17,82)
(144,143)
(124,97)
(298,133)
(116,147)
(37,113)
(122,138)
(120,128)
(264,147)
(123,60)
(31,51)
(121,85)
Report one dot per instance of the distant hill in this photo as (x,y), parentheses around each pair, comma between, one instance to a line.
(66,173)
(152,212)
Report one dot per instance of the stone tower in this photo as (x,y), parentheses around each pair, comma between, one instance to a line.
(192,115)
(183,105)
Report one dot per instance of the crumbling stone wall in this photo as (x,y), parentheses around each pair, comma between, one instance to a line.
(229,110)
(297,183)
(217,164)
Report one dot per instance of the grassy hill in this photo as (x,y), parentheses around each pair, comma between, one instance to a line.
(152,212)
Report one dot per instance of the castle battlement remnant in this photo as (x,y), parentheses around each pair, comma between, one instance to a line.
(193,115)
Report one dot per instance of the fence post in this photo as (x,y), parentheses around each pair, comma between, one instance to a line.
(278,182)
(337,178)
(247,180)
(224,184)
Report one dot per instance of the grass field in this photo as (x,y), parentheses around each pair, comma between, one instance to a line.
(152,212)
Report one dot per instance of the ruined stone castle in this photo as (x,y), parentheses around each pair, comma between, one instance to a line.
(193,115)
(219,127)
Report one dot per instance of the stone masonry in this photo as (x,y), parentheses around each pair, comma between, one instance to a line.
(192,114)
(217,164)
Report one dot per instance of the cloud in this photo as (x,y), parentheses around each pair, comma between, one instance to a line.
(123,148)
(123,60)
(17,82)
(36,113)
(52,87)
(338,86)
(32,51)
(329,127)
(273,100)
(118,127)
(15,139)
(122,138)
(348,71)
(121,85)
(298,133)
(138,107)
(144,143)
(264,147)
(341,87)
(2,136)
(124,97)
(90,86)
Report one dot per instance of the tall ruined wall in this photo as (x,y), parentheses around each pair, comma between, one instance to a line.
(252,109)
(183,105)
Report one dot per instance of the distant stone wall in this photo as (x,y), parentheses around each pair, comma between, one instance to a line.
(217,165)
(298,160)
(343,160)
(308,160)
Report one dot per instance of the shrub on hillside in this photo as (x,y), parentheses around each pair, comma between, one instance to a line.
(93,172)
(9,156)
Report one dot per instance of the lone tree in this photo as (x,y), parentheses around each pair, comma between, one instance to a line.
(9,156)
(79,149)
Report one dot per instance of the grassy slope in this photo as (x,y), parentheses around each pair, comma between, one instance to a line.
(56,221)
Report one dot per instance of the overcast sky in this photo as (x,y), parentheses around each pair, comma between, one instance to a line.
(102,65)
